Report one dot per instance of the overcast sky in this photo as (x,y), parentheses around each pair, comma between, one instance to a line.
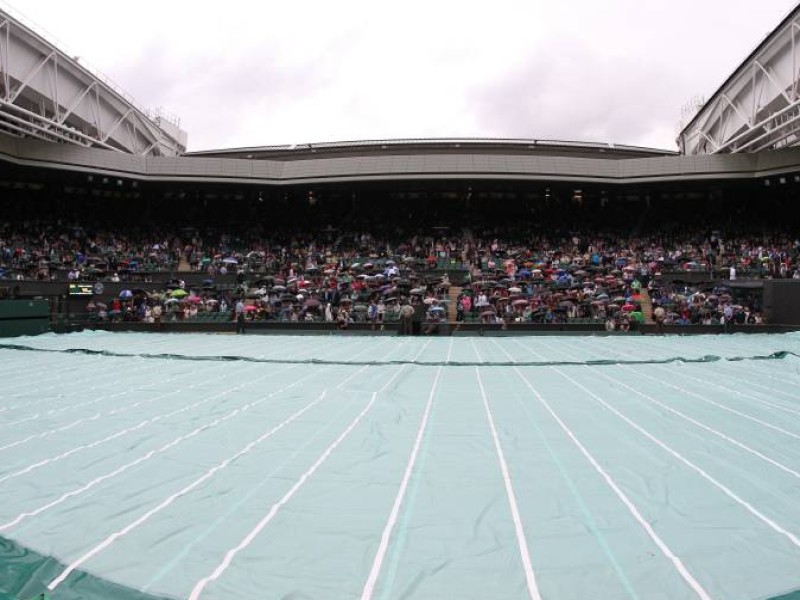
(248,73)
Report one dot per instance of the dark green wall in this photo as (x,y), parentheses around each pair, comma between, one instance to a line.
(24,317)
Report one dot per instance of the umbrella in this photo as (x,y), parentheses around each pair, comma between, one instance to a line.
(437,309)
(312,303)
(487,313)
(250,308)
(194,299)
(126,294)
(230,261)
(520,302)
(179,293)
(429,300)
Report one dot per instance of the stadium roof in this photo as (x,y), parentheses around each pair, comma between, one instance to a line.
(50,94)
(372,166)
(758,106)
(438,146)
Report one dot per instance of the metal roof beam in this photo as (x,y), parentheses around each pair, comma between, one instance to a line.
(26,82)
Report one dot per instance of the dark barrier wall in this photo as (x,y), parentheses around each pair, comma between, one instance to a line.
(24,317)
(782,301)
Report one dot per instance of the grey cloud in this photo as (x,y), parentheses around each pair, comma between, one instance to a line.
(582,96)
(211,94)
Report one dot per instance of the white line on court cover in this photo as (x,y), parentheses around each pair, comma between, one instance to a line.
(530,577)
(676,561)
(369,586)
(247,540)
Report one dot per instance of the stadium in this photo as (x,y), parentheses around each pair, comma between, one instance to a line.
(480,378)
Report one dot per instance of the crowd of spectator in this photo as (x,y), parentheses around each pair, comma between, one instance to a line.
(44,250)
(504,276)
(355,255)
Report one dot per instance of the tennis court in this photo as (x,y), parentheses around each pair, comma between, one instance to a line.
(147,466)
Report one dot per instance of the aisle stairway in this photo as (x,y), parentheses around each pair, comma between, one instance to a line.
(647,306)
(452,306)
(184,265)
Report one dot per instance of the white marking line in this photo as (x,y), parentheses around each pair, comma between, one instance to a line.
(511,358)
(703,426)
(421,350)
(746,382)
(32,417)
(248,539)
(739,393)
(119,470)
(529,350)
(722,406)
(99,382)
(358,372)
(96,443)
(169,500)
(385,357)
(69,407)
(50,432)
(119,433)
(369,586)
(533,589)
(724,489)
(665,550)
(763,374)
(94,417)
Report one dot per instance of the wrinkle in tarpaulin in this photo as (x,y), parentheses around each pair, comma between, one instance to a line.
(707,358)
